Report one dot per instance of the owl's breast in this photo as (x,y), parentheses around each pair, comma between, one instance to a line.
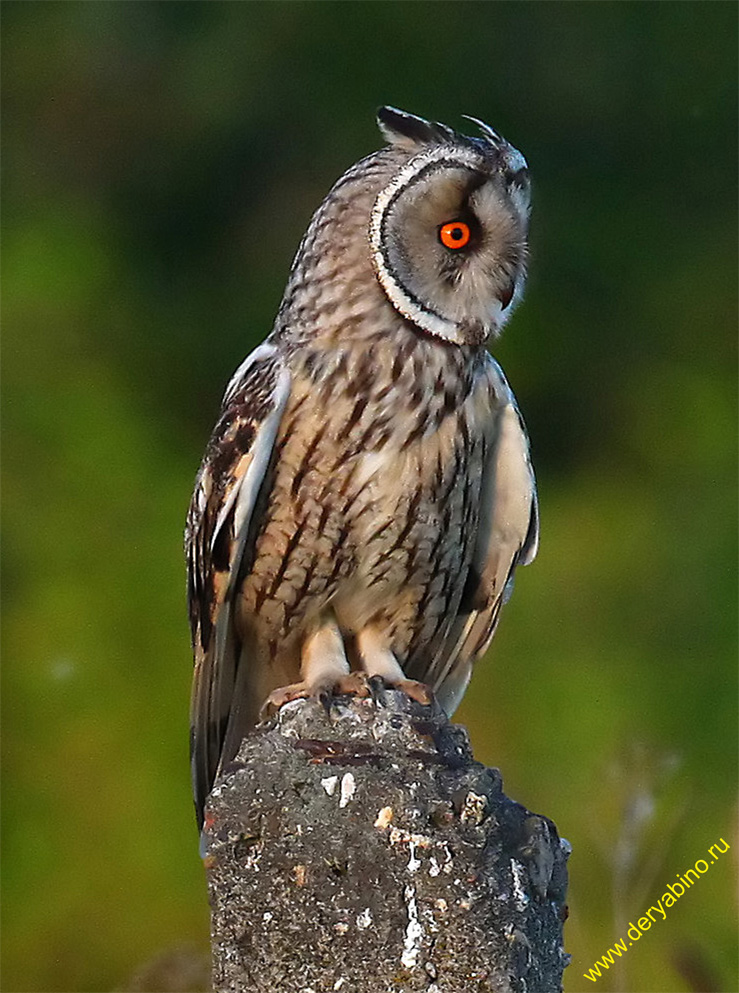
(414,525)
(374,502)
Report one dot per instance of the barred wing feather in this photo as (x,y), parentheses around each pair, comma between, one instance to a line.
(508,535)
(220,527)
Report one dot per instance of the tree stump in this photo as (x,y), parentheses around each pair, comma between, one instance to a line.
(364,850)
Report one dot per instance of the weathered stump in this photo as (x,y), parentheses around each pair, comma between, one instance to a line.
(366,851)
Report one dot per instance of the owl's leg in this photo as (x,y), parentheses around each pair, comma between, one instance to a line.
(379,661)
(324,668)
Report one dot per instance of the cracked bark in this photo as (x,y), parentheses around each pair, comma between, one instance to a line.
(366,851)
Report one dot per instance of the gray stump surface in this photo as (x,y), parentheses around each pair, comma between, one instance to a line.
(366,851)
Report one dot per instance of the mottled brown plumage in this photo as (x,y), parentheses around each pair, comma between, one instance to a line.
(367,492)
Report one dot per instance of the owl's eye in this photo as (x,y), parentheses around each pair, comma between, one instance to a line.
(454,234)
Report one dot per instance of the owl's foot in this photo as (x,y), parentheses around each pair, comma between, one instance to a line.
(326,675)
(350,684)
(353,684)
(325,671)
(384,671)
(419,692)
(284,694)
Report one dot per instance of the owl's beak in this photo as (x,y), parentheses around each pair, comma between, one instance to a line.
(506,295)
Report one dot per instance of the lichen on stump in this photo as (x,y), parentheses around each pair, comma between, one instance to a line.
(364,850)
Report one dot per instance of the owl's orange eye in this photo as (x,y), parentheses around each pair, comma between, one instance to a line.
(454,234)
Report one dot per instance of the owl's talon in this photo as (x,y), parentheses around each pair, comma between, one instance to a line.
(377,690)
(419,692)
(353,684)
(279,697)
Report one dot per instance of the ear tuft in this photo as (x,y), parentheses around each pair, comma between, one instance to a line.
(486,131)
(398,127)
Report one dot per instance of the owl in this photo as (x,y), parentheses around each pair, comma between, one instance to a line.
(367,492)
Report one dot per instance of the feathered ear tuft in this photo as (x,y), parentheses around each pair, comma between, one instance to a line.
(401,128)
(485,130)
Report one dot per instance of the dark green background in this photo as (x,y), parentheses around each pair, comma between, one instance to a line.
(161,161)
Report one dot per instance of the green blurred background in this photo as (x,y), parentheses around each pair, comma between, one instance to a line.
(161,160)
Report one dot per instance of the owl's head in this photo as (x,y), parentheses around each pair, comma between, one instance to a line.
(448,231)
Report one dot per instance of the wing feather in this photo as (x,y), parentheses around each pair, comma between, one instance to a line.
(219,528)
(508,535)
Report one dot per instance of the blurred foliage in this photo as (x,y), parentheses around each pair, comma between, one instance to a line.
(161,160)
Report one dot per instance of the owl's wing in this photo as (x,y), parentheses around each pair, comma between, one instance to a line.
(220,527)
(508,535)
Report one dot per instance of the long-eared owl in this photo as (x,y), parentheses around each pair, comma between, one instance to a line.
(367,492)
